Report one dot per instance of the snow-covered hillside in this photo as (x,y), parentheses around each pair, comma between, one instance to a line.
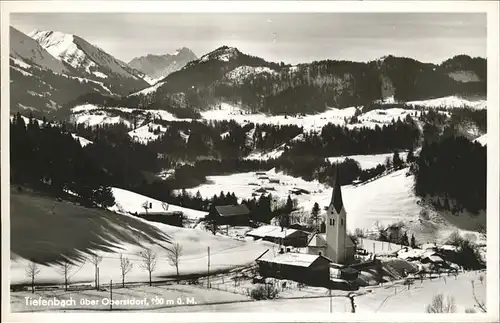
(94,115)
(148,90)
(127,201)
(222,54)
(386,200)
(241,73)
(452,102)
(482,139)
(367,161)
(109,234)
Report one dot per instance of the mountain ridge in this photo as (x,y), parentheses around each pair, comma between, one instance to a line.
(160,66)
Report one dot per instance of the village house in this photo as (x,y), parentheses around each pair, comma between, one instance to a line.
(300,267)
(232,215)
(175,218)
(279,235)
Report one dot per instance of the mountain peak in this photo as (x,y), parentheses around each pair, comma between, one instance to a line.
(223,53)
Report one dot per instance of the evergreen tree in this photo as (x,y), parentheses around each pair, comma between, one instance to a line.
(388,163)
(315,214)
(289,205)
(410,156)
(103,196)
(404,240)
(396,160)
(413,242)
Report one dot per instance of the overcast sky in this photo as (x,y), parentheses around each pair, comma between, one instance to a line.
(292,38)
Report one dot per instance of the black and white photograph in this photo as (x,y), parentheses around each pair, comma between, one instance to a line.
(280,161)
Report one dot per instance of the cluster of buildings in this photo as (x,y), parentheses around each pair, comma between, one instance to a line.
(326,257)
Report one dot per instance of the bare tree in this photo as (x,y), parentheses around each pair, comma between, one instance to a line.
(479,303)
(95,260)
(145,206)
(439,305)
(173,255)
(64,269)
(148,261)
(164,206)
(32,271)
(125,267)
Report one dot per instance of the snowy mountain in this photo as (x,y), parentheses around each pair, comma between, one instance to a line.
(27,50)
(41,83)
(91,61)
(160,66)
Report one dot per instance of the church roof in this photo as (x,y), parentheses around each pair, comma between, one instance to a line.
(317,240)
(336,201)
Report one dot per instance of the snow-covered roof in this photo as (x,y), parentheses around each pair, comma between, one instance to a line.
(411,253)
(272,231)
(290,258)
(278,233)
(448,247)
(435,258)
(261,231)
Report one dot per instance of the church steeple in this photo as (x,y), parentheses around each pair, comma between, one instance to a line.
(336,193)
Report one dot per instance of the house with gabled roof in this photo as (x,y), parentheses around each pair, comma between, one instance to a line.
(301,267)
(233,214)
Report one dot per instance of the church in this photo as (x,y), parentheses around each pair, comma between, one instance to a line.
(335,244)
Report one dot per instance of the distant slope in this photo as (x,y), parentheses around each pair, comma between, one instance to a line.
(228,75)
(160,66)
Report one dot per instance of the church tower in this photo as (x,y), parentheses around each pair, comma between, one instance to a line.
(336,224)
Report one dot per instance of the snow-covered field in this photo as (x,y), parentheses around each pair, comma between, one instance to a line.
(367,161)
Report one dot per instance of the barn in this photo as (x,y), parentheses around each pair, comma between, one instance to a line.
(279,235)
(233,214)
(300,267)
(175,218)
